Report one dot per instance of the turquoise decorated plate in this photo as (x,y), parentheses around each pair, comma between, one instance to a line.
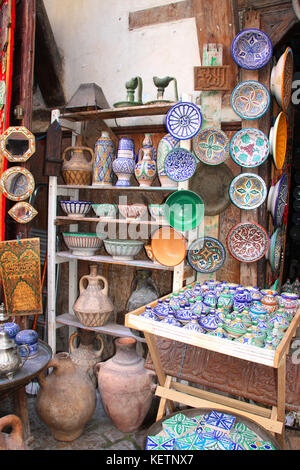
(184,210)
(249,147)
(248,191)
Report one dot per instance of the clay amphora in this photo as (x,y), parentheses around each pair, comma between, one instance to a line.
(85,356)
(125,386)
(14,440)
(77,170)
(93,306)
(66,399)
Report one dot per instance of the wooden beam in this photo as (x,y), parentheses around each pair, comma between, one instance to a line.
(48,62)
(161,14)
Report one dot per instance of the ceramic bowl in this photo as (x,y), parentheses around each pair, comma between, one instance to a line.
(149,253)
(278,140)
(132,211)
(248,242)
(249,147)
(123,249)
(83,244)
(251,49)
(156,210)
(184,210)
(75,209)
(168,246)
(211,146)
(250,99)
(107,211)
(248,191)
(282,78)
(277,199)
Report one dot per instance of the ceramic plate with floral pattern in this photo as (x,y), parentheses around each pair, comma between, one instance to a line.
(206,255)
(184,120)
(248,242)
(250,99)
(251,49)
(180,164)
(211,146)
(248,191)
(249,147)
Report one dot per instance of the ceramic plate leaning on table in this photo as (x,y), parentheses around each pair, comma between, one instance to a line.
(249,147)
(251,49)
(180,164)
(184,210)
(250,99)
(183,120)
(248,242)
(206,255)
(278,140)
(248,191)
(282,79)
(211,146)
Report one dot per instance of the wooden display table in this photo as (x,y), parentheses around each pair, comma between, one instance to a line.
(170,391)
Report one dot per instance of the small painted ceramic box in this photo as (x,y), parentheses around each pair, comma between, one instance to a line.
(28,338)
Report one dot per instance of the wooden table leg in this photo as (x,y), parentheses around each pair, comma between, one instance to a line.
(21,408)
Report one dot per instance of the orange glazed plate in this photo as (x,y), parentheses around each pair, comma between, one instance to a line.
(168,246)
(278,140)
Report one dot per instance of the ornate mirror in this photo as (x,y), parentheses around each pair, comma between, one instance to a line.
(17,183)
(22,212)
(17,144)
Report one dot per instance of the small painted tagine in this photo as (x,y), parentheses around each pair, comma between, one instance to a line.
(278,140)
(250,99)
(248,242)
(269,300)
(145,168)
(249,147)
(236,327)
(251,49)
(282,78)
(289,301)
(257,309)
(248,191)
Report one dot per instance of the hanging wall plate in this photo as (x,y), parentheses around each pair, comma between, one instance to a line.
(248,191)
(183,120)
(248,242)
(249,147)
(180,164)
(22,212)
(251,49)
(206,255)
(17,144)
(17,183)
(250,99)
(211,146)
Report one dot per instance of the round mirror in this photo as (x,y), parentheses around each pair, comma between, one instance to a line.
(17,144)
(17,183)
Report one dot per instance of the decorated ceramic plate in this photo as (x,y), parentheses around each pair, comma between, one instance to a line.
(211,146)
(248,191)
(248,242)
(278,140)
(206,255)
(273,254)
(281,200)
(250,99)
(251,49)
(180,164)
(168,246)
(184,210)
(183,120)
(249,147)
(282,78)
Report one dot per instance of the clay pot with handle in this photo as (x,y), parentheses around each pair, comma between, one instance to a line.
(66,399)
(85,356)
(77,170)
(125,386)
(14,440)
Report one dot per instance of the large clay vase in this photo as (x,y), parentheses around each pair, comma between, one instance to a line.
(145,169)
(85,356)
(14,440)
(77,170)
(125,386)
(93,306)
(66,399)
(104,155)
(166,144)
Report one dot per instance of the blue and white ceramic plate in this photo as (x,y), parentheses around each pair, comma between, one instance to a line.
(180,164)
(211,146)
(281,201)
(250,99)
(206,255)
(183,120)
(248,191)
(249,147)
(251,49)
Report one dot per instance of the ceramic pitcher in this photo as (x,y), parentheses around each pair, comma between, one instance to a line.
(145,169)
(124,164)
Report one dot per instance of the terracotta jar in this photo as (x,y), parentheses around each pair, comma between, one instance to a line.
(85,356)
(93,306)
(125,386)
(14,440)
(77,170)
(66,399)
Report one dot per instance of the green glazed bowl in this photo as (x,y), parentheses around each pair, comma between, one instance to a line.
(184,210)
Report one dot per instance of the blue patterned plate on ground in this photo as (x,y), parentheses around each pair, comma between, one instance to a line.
(183,120)
(249,147)
(206,255)
(248,191)
(251,49)
(250,99)
(180,164)
(211,146)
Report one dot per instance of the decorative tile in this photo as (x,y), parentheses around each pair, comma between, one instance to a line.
(159,443)
(216,440)
(191,442)
(221,421)
(179,425)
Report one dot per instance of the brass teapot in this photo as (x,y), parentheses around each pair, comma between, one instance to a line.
(10,359)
